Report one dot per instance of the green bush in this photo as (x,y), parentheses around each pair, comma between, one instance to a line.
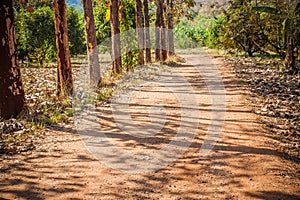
(76,31)
(35,34)
(202,30)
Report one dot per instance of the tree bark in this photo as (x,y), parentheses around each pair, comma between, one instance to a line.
(158,27)
(171,48)
(290,59)
(139,30)
(12,98)
(164,38)
(64,68)
(115,34)
(91,43)
(147,31)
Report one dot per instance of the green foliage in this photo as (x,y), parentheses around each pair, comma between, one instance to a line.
(35,34)
(242,30)
(75,31)
(102,25)
(214,32)
(129,46)
(202,30)
(127,29)
(249,26)
(284,21)
(128,15)
(265,27)
(185,37)
(57,117)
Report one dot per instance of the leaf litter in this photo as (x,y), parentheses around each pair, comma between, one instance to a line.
(274,95)
(43,109)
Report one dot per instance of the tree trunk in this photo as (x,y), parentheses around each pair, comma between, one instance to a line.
(171,48)
(164,38)
(290,59)
(158,27)
(12,98)
(115,34)
(140,33)
(147,31)
(91,41)
(64,68)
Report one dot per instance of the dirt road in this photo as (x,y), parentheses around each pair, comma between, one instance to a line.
(243,164)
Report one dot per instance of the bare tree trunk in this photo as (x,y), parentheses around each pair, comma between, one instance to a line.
(91,42)
(12,98)
(290,59)
(140,32)
(115,33)
(164,49)
(64,68)
(158,27)
(147,31)
(171,48)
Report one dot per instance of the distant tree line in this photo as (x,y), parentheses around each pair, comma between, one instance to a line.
(250,26)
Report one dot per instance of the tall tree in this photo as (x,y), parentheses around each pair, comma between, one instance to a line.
(147,31)
(12,98)
(158,27)
(140,32)
(164,52)
(91,42)
(64,68)
(170,34)
(115,34)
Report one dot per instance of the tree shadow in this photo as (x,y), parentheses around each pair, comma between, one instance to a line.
(239,165)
